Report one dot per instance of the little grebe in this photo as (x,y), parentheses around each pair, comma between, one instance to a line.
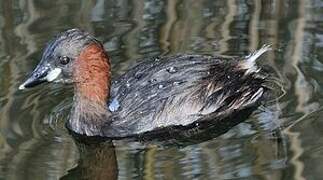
(162,92)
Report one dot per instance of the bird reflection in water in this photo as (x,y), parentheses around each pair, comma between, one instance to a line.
(97,160)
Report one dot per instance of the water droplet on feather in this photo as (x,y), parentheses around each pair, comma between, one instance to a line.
(171,69)
(177,83)
(157,58)
(152,81)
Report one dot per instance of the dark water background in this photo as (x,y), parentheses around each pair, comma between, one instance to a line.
(282,140)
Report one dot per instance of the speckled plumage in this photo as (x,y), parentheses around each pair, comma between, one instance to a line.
(180,90)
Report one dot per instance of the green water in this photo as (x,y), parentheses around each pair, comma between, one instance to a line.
(281,140)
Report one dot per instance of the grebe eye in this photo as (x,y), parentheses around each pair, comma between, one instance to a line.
(64,60)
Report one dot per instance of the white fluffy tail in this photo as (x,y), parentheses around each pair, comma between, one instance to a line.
(249,62)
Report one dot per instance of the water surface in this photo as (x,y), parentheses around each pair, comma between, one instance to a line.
(281,140)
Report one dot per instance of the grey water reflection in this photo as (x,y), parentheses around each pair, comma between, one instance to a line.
(281,140)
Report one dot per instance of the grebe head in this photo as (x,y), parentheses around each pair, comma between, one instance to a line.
(63,57)
(76,57)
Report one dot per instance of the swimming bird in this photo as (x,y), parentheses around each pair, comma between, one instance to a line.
(158,93)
